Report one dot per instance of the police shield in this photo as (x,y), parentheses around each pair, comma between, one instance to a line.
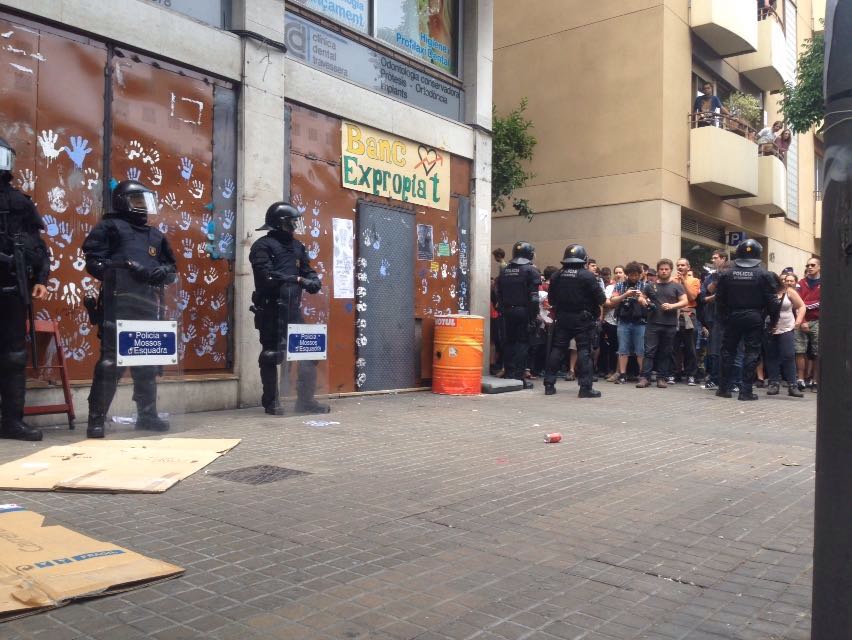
(139,326)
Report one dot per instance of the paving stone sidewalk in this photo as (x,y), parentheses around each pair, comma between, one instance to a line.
(662,514)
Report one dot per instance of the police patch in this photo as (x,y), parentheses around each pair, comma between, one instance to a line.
(152,251)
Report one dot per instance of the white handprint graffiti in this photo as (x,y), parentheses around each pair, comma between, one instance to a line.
(183,300)
(200,298)
(211,275)
(298,202)
(91,179)
(47,140)
(173,202)
(224,327)
(43,314)
(452,291)
(164,228)
(66,233)
(185,221)
(384,268)
(156,176)
(188,335)
(79,261)
(70,295)
(134,150)
(133,173)
(313,250)
(226,245)
(188,246)
(196,189)
(89,286)
(152,157)
(85,206)
(218,302)
(78,151)
(227,219)
(315,228)
(228,188)
(81,352)
(56,199)
(204,223)
(27,180)
(191,273)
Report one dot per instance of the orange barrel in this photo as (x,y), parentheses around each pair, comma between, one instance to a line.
(457,362)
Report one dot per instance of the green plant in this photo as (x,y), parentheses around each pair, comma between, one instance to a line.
(746,107)
(512,147)
(803,103)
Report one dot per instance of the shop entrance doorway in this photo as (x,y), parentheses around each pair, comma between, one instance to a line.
(387,354)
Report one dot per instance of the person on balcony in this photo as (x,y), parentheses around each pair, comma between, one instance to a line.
(783,143)
(767,137)
(706,107)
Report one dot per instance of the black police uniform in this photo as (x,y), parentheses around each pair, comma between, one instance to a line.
(18,215)
(277,260)
(744,296)
(575,295)
(133,261)
(517,298)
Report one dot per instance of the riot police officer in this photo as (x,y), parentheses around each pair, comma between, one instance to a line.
(24,266)
(281,270)
(133,261)
(517,299)
(576,297)
(745,296)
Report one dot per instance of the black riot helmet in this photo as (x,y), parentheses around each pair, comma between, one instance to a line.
(522,252)
(134,201)
(748,253)
(575,254)
(7,160)
(280,216)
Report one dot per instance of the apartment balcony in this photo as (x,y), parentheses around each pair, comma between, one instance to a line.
(722,156)
(771,198)
(819,15)
(728,26)
(765,66)
(817,215)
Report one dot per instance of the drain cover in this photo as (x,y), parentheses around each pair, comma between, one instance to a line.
(259,474)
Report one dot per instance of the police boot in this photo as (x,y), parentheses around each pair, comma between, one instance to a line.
(101,394)
(747,395)
(13,385)
(723,393)
(150,421)
(549,389)
(95,428)
(588,392)
(268,362)
(305,388)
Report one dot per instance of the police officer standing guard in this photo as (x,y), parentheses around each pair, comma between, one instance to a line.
(517,299)
(133,261)
(576,297)
(24,266)
(745,295)
(281,270)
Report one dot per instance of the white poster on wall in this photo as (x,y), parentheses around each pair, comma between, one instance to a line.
(344,258)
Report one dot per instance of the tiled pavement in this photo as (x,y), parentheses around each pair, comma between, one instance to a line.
(662,514)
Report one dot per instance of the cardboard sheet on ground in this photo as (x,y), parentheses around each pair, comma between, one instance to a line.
(46,567)
(144,466)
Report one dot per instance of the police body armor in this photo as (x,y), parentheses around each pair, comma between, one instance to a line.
(571,292)
(514,286)
(744,290)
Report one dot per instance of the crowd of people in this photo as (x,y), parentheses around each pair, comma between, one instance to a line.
(729,326)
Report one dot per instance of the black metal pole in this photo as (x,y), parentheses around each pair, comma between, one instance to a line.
(832,588)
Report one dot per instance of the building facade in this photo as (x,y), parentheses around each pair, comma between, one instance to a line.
(373,117)
(621,164)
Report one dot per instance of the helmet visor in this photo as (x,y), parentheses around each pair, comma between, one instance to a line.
(143,201)
(7,159)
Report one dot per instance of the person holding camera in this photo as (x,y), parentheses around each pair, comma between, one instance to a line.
(630,304)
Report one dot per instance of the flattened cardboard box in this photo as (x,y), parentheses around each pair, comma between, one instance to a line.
(47,567)
(144,466)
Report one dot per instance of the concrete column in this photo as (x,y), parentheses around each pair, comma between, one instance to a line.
(261,162)
(478,63)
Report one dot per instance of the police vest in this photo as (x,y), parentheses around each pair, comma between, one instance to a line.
(513,285)
(139,243)
(574,290)
(745,288)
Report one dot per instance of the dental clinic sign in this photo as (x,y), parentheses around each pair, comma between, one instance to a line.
(382,164)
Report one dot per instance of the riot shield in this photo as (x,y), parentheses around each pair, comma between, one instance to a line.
(139,326)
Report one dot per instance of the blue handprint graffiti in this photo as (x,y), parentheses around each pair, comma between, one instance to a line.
(79,150)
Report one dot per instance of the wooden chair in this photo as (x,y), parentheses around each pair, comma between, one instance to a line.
(50,329)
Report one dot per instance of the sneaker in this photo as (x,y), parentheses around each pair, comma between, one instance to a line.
(710,385)
(662,384)
(612,378)
(621,380)
(643,383)
(670,380)
(690,381)
(794,391)
(773,389)
(801,384)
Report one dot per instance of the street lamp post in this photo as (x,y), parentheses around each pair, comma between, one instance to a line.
(832,589)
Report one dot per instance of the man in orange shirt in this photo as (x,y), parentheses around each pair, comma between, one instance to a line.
(684,342)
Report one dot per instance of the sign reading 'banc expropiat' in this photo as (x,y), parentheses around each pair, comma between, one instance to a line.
(376,162)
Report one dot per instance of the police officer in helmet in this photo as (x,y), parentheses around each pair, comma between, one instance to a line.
(133,261)
(20,225)
(517,298)
(576,297)
(281,270)
(745,296)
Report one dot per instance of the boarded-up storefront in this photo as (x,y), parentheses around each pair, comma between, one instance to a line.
(84,115)
(362,244)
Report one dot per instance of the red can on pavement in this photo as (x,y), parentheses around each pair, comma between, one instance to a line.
(551,438)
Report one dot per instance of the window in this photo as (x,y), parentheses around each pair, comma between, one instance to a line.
(212,12)
(424,29)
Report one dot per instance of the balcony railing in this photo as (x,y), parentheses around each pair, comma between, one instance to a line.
(723,155)
(728,123)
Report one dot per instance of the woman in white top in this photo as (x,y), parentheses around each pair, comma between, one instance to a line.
(780,356)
